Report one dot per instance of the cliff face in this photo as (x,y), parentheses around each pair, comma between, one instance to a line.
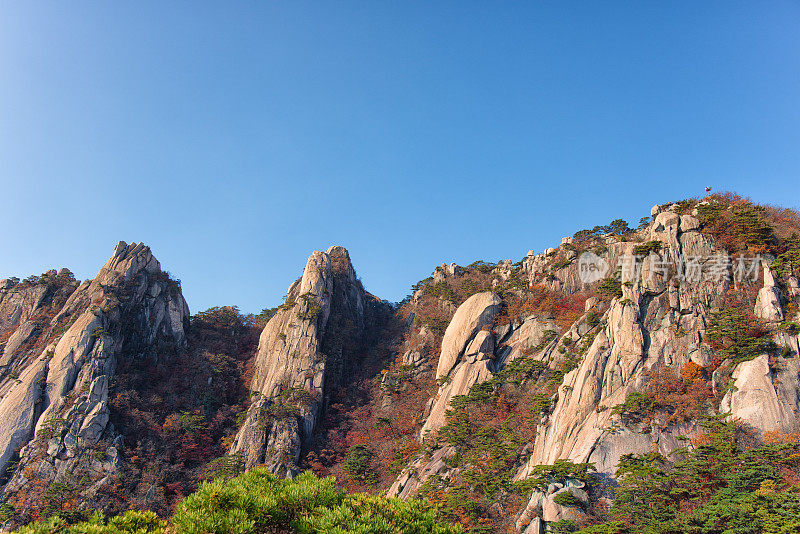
(305,349)
(660,326)
(55,409)
(659,321)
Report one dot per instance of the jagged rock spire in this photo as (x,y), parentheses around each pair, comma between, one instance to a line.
(127,310)
(291,369)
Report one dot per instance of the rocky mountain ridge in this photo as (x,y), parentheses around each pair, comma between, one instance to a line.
(462,394)
(658,321)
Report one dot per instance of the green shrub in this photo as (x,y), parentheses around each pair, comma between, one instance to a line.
(441,290)
(253,502)
(560,264)
(611,287)
(225,467)
(543,475)
(99,332)
(565,498)
(646,248)
(637,406)
(136,522)
(131,522)
(614,527)
(717,487)
(481,266)
(617,227)
(788,261)
(368,514)
(257,502)
(311,309)
(737,225)
(736,334)
(564,525)
(357,461)
(52,427)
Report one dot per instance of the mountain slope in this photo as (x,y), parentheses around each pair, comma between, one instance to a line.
(508,394)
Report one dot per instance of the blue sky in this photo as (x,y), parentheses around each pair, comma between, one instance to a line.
(236,137)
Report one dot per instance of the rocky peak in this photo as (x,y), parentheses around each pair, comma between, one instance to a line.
(304,349)
(129,260)
(130,310)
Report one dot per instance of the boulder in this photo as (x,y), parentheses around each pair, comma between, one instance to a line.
(477,311)
(794,287)
(689,223)
(419,471)
(482,343)
(765,399)
(22,334)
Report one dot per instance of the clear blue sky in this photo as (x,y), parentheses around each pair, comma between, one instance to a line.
(236,137)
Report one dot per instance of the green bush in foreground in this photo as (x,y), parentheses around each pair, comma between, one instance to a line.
(131,522)
(258,502)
